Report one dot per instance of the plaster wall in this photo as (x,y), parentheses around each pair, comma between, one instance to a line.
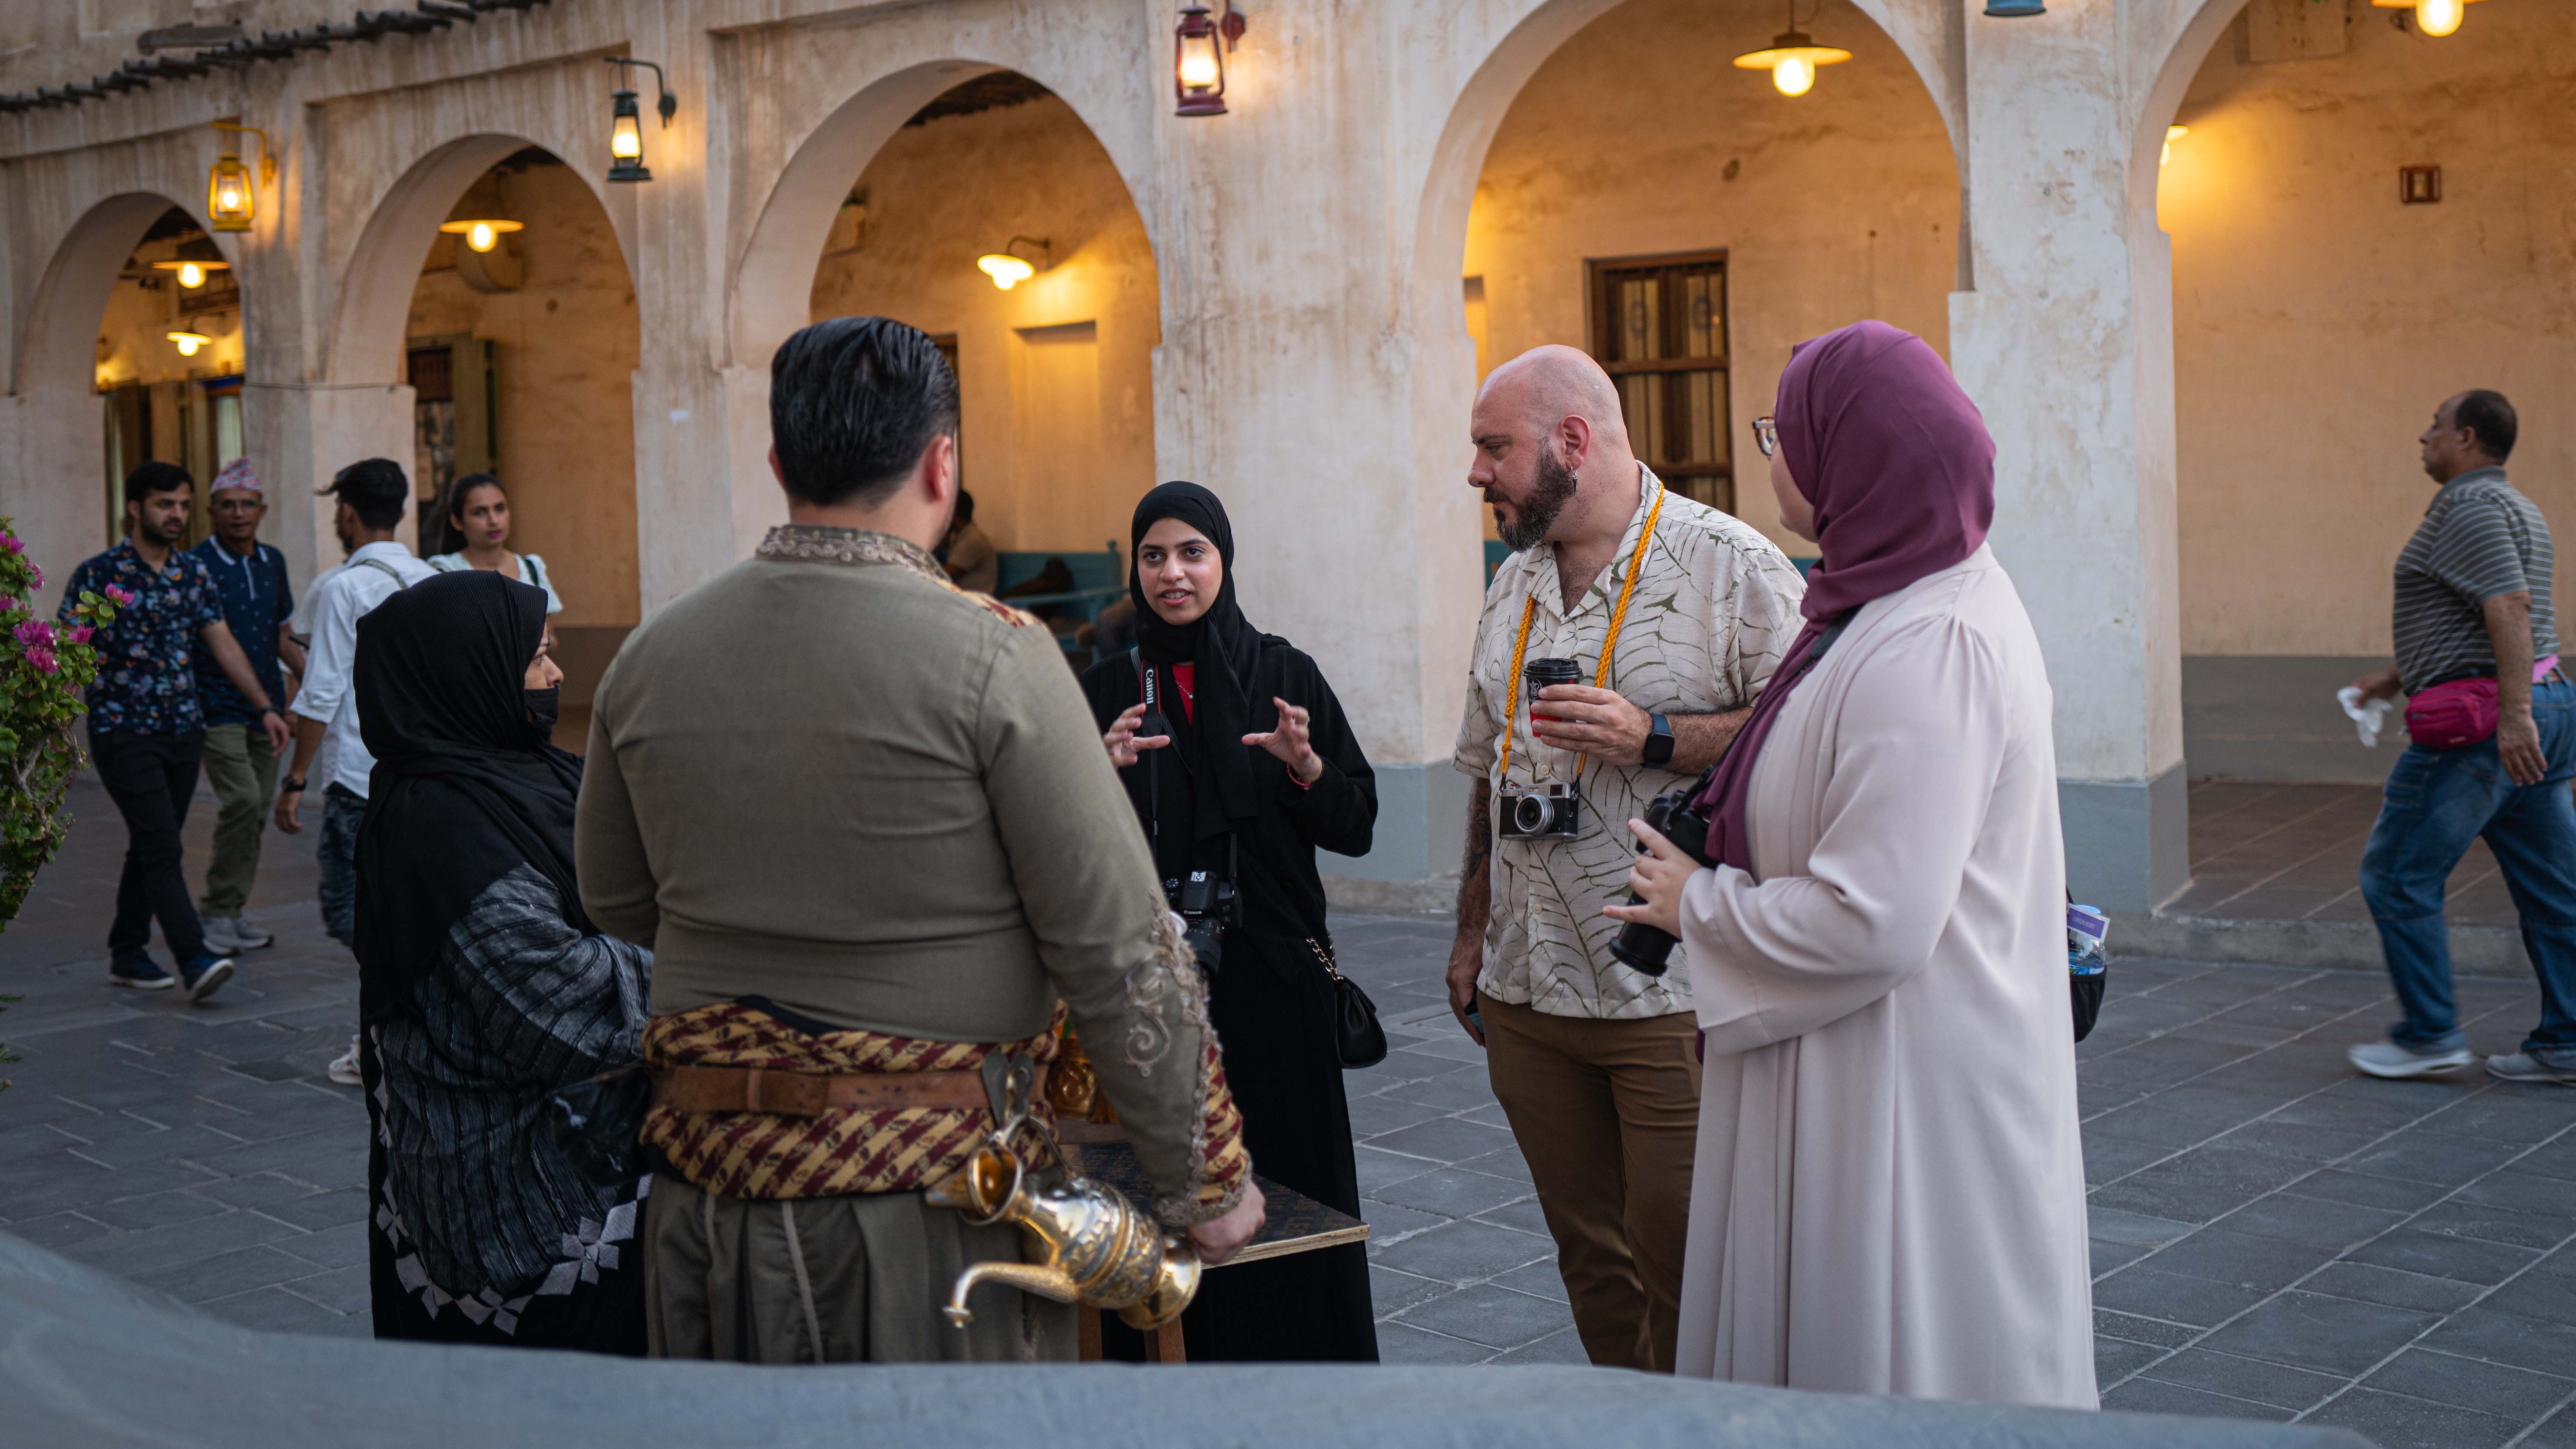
(567,347)
(2317,321)
(1079,335)
(1834,206)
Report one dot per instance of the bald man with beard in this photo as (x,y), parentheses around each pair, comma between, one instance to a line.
(1594,1062)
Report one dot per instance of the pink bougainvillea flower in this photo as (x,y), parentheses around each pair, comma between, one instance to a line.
(119,596)
(35,632)
(41,658)
(9,542)
(80,634)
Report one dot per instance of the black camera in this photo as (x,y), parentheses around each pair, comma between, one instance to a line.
(1547,810)
(1207,907)
(1639,945)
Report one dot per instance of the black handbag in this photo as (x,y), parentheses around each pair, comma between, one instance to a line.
(1358,1038)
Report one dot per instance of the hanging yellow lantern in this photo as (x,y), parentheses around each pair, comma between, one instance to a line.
(189,342)
(2435,18)
(230,202)
(1792,58)
(192,272)
(481,235)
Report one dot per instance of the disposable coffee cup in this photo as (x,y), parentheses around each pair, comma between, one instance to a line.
(1538,674)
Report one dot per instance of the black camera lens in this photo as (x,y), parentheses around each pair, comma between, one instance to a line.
(1640,946)
(1532,814)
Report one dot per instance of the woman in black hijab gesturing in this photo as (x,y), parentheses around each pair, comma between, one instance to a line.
(482,988)
(1257,771)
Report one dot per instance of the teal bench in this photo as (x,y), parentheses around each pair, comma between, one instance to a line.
(1098,578)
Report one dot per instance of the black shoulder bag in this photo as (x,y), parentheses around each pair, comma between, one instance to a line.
(1357,1037)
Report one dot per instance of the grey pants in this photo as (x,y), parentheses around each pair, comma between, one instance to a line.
(857,1279)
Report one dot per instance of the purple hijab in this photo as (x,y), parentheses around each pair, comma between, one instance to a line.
(1900,469)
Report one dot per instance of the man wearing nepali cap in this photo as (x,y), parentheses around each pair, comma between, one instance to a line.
(251,578)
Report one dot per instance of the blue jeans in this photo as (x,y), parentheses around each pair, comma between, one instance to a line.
(2437,802)
(342,809)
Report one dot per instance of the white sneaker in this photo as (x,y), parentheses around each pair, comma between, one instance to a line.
(2524,1067)
(2388,1059)
(344,1067)
(246,936)
(219,935)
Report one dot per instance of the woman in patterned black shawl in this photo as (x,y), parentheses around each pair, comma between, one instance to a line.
(482,987)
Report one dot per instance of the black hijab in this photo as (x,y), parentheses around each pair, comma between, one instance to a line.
(467,787)
(1225,649)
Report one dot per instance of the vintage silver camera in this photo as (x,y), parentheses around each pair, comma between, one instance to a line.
(1546,810)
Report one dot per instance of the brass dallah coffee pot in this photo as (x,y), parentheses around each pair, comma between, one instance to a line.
(1082,1241)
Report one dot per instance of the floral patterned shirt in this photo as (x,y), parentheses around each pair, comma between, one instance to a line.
(146,683)
(1715,608)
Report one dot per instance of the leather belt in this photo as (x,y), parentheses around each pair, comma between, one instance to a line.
(811,1094)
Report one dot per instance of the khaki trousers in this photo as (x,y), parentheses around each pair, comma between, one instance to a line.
(1607,1113)
(243,770)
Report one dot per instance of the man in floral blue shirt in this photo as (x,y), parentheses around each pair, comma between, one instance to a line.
(147,730)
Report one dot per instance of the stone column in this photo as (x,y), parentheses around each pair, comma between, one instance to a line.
(2066,343)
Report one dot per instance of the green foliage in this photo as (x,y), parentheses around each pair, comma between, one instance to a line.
(43,669)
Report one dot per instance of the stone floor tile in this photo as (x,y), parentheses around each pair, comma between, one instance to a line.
(1444,1140)
(1378,1169)
(1454,1092)
(322,1209)
(2537,1344)
(2278,1385)
(343,1289)
(2392,1421)
(1540,1278)
(2467,1383)
(1389,1223)
(1563,1346)
(276,1310)
(2139,1329)
(220,1275)
(339,1247)
(2243,1259)
(2511,1113)
(137,1254)
(58,1231)
(1375,1115)
(2467,1259)
(259,1190)
(1464,1252)
(2174,1297)
(2332,1335)
(2116,1358)
(1391,1292)
(1506,1163)
(2152,1195)
(2108,1159)
(2153,1396)
(1524,1215)
(2523,1191)
(22,1143)
(1402,1343)
(2541,1296)
(2319,1222)
(2397,1289)
(2109,1258)
(2557,1161)
(156,1210)
(1452,1192)
(189,1142)
(1496,1317)
(2299,1140)
(2459,1217)
(2336,1185)
(2427,1154)
(2111,1225)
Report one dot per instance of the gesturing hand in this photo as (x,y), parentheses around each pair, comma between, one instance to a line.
(1657,877)
(1122,740)
(1290,742)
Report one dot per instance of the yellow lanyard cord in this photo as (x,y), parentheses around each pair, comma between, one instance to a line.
(1600,672)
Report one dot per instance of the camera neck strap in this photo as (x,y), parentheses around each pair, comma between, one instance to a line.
(1609,643)
(1148,692)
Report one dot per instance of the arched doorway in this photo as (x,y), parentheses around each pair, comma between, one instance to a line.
(1056,371)
(1689,246)
(2364,220)
(103,382)
(518,360)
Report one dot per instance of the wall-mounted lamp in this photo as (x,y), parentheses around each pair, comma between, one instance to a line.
(625,128)
(192,274)
(1792,58)
(2436,18)
(1008,270)
(189,342)
(2015,9)
(481,235)
(1198,58)
(231,201)
(2172,134)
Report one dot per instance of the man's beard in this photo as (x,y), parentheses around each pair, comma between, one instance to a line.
(1552,486)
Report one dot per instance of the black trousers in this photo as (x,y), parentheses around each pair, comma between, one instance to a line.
(151,777)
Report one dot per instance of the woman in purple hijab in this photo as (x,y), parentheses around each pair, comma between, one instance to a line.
(1888,1195)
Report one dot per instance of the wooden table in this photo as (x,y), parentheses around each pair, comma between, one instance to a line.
(1295,1224)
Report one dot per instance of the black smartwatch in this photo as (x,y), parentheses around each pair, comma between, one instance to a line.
(1659,742)
(291,786)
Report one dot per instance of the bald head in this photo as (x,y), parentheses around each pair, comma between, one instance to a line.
(1544,386)
(1552,452)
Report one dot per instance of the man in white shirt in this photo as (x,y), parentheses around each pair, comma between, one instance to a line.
(372,496)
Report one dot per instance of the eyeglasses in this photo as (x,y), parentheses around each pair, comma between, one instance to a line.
(1766,435)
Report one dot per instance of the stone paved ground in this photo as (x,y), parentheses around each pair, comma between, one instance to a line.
(2273,1237)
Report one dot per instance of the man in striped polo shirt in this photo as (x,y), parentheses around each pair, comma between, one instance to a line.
(2473,604)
